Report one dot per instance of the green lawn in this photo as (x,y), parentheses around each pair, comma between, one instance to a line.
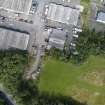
(67,79)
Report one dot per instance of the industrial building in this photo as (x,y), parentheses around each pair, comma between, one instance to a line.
(16,6)
(11,39)
(62,14)
(57,39)
(61,18)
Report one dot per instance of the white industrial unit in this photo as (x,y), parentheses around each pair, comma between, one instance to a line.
(13,39)
(16,6)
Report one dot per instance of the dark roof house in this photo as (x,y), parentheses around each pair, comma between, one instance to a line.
(64,17)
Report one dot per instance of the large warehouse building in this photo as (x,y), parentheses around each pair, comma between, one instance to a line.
(16,6)
(62,14)
(13,39)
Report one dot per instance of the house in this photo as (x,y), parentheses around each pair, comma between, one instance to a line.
(12,39)
(57,39)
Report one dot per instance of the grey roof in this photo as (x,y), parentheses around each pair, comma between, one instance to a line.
(57,33)
(63,14)
(66,2)
(18,6)
(101,17)
(57,38)
(12,39)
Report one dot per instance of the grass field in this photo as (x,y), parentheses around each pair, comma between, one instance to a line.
(68,79)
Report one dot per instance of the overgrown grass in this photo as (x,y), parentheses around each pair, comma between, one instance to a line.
(66,79)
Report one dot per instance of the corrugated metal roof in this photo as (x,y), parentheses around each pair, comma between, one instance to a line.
(63,14)
(18,6)
(13,39)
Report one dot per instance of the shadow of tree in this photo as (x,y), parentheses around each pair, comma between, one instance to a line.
(30,94)
(46,99)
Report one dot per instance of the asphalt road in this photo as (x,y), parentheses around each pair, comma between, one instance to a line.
(40,39)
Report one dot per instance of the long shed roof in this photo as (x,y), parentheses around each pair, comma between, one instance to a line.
(63,14)
(18,6)
(13,39)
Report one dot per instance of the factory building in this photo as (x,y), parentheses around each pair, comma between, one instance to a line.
(11,39)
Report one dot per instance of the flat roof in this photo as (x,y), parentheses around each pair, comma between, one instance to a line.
(62,14)
(17,6)
(13,39)
(101,17)
(57,38)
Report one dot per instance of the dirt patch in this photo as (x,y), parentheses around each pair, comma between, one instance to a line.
(96,77)
(80,94)
(83,95)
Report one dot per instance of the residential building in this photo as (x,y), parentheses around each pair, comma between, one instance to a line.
(16,6)
(103,2)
